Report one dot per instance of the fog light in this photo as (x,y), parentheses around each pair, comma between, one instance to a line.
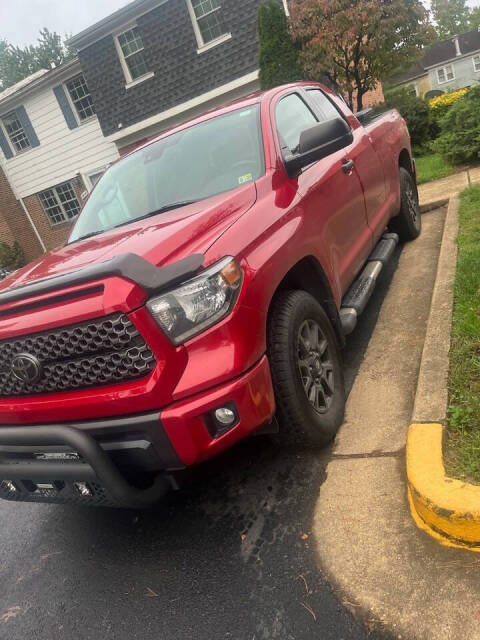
(225,416)
(82,488)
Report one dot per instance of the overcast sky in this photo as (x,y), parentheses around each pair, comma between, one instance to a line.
(21,20)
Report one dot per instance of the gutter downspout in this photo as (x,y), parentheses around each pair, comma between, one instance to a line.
(35,230)
(29,217)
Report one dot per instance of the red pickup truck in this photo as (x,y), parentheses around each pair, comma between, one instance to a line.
(204,295)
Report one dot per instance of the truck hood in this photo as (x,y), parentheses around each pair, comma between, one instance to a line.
(161,240)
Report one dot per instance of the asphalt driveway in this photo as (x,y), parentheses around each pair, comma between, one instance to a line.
(229,556)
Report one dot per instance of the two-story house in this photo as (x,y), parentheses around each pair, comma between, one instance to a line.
(445,66)
(52,151)
(155,63)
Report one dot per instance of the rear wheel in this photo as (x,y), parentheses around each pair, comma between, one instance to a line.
(408,223)
(307,371)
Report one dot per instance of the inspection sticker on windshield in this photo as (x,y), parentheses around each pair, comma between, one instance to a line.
(246,178)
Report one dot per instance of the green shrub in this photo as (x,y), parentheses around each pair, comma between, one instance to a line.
(459,139)
(278,56)
(11,258)
(414,110)
(440,106)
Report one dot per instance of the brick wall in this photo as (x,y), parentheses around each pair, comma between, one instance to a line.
(371,98)
(14,224)
(57,235)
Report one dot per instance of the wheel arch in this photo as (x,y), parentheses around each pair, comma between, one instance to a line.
(308,275)
(405,161)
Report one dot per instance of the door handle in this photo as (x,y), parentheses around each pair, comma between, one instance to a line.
(347,166)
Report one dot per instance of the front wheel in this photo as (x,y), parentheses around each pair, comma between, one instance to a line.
(307,371)
(408,223)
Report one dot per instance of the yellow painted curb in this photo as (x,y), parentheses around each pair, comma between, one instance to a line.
(446,508)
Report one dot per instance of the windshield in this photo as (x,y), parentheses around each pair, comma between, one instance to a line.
(206,159)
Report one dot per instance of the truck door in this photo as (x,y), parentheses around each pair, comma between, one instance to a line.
(333,200)
(367,166)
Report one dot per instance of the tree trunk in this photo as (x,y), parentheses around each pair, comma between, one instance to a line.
(359,100)
(350,99)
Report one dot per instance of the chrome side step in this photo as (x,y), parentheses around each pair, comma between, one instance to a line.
(357,297)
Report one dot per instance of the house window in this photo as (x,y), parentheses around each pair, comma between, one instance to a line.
(445,74)
(476,62)
(60,203)
(131,53)
(80,97)
(94,177)
(15,132)
(207,21)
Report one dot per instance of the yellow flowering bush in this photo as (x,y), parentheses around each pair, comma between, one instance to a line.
(440,103)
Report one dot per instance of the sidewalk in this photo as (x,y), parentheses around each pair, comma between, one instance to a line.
(443,189)
(385,568)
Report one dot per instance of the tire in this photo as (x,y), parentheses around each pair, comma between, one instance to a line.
(293,318)
(408,223)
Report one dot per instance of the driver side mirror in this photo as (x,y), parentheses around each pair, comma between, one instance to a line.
(318,142)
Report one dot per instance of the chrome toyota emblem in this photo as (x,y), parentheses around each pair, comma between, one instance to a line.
(26,368)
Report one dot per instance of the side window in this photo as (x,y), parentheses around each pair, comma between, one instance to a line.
(323,106)
(293,116)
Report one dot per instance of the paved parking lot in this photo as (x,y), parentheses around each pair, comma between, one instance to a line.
(230,556)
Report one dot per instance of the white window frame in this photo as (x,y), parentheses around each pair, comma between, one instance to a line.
(130,82)
(476,67)
(444,69)
(67,218)
(72,104)
(92,172)
(202,46)
(13,148)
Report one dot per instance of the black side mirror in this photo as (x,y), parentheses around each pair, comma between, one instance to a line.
(317,143)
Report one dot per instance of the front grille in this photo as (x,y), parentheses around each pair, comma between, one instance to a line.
(94,353)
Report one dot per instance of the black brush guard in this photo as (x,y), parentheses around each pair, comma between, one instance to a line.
(94,467)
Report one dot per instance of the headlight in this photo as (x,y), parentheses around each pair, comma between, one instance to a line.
(199,303)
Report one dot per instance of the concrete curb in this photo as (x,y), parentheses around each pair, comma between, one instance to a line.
(447,509)
(434,204)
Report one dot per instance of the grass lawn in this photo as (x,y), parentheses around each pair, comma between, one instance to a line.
(462,450)
(432,167)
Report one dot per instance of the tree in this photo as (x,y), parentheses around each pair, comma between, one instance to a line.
(278,56)
(17,63)
(451,17)
(356,43)
(474,18)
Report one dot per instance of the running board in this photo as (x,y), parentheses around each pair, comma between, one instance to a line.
(357,297)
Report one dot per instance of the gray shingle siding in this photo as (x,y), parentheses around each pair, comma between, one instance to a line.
(171,53)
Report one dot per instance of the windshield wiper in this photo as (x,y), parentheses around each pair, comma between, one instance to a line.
(164,209)
(87,235)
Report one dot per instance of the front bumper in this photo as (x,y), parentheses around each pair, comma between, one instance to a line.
(122,461)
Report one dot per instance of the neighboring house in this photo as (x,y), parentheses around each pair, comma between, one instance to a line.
(445,66)
(52,152)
